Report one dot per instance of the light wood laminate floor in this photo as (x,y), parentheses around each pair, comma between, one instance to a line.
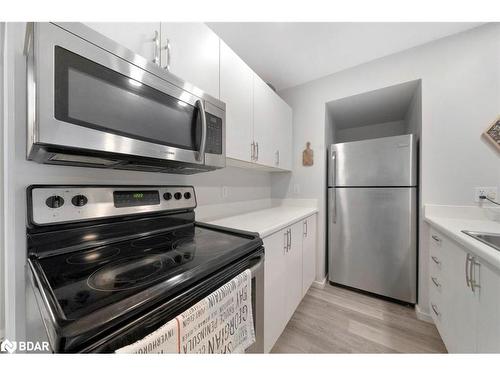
(338,320)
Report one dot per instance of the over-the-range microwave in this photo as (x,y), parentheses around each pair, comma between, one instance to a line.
(92,102)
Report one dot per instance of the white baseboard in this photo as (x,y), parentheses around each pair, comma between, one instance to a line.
(423,315)
(319,284)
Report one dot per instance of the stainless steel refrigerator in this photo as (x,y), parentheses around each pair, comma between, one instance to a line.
(372,216)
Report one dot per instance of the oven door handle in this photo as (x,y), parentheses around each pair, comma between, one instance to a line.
(203,143)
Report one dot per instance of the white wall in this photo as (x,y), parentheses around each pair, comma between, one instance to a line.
(460,97)
(242,184)
(360,133)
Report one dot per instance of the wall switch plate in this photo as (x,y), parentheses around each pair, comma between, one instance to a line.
(490,191)
(224,192)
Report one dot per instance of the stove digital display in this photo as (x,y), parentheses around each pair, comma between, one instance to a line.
(136,198)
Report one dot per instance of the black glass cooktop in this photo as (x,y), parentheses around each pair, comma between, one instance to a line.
(85,281)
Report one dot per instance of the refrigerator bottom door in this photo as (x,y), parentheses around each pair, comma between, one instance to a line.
(372,240)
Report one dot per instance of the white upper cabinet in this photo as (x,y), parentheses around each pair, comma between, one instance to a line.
(137,36)
(272,127)
(236,90)
(266,129)
(191,52)
(283,152)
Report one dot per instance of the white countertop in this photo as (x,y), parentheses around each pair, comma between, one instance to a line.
(267,221)
(453,225)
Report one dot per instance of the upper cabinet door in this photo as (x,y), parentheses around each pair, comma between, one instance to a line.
(236,90)
(191,52)
(266,129)
(136,36)
(283,158)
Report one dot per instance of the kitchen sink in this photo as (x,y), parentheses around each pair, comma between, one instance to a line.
(491,239)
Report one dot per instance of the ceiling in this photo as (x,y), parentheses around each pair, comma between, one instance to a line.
(373,107)
(289,54)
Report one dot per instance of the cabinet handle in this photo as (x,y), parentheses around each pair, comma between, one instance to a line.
(285,242)
(467,268)
(277,157)
(156,41)
(435,309)
(257,151)
(436,238)
(168,49)
(436,283)
(472,272)
(289,239)
(305,228)
(436,260)
(252,151)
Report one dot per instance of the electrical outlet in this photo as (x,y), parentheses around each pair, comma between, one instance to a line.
(490,192)
(224,192)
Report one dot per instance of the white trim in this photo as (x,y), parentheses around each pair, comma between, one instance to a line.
(319,284)
(422,315)
(2,184)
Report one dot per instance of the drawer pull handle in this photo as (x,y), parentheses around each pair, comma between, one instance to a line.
(435,309)
(436,238)
(436,283)
(436,260)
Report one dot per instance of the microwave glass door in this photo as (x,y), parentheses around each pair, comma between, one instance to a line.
(93,96)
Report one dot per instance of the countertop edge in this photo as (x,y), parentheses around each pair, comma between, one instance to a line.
(276,227)
(485,252)
(280,226)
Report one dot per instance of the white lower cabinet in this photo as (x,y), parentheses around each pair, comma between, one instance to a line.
(464,297)
(284,281)
(308,253)
(488,309)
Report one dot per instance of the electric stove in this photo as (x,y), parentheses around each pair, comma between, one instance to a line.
(109,264)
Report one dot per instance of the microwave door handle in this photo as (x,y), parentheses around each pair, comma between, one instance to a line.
(203,143)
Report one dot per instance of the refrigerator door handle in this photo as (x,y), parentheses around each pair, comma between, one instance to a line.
(334,205)
(332,170)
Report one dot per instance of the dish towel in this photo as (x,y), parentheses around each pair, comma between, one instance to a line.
(220,323)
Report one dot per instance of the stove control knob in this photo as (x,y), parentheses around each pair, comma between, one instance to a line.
(55,201)
(79,200)
(177,195)
(167,196)
(187,195)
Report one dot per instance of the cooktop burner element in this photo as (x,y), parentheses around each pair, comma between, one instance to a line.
(130,273)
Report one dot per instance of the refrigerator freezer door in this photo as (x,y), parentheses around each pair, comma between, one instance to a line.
(372,240)
(390,161)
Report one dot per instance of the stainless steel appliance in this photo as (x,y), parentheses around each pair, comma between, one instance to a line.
(94,103)
(372,205)
(107,265)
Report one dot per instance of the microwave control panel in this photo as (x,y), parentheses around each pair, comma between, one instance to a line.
(214,134)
